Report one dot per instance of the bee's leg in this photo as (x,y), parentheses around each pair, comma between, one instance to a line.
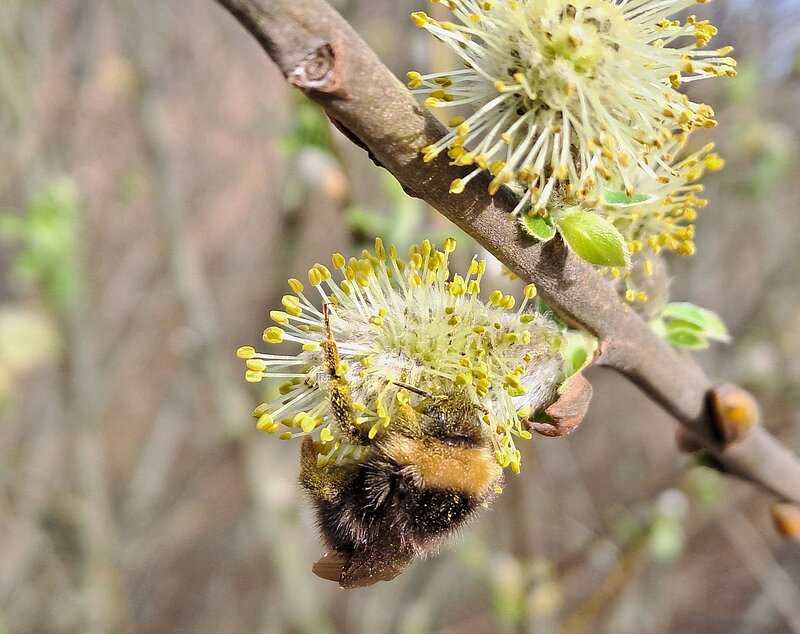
(364,567)
(326,486)
(321,483)
(341,403)
(378,562)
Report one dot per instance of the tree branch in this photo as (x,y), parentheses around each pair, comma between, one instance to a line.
(320,53)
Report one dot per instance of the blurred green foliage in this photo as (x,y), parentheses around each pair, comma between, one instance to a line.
(401,225)
(309,128)
(45,237)
(765,144)
(704,486)
(28,338)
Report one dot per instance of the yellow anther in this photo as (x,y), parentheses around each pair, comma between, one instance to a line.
(462,379)
(263,408)
(279,317)
(245,352)
(414,79)
(273,334)
(257,365)
(324,271)
(251,376)
(420,18)
(307,424)
(292,305)
(457,186)
(314,277)
(714,162)
(265,421)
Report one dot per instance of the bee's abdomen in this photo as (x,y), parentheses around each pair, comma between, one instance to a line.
(437,512)
(357,514)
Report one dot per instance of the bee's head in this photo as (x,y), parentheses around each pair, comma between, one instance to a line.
(451,418)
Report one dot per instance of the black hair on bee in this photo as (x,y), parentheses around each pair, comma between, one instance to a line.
(419,481)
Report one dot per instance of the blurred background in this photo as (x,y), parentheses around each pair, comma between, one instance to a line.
(159,182)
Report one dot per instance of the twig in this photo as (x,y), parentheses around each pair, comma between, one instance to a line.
(320,53)
(755,554)
(612,585)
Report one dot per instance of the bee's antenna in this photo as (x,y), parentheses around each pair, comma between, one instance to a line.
(411,388)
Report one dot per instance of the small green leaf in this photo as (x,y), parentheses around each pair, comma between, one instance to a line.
(577,350)
(685,325)
(614,198)
(540,228)
(682,324)
(706,321)
(687,339)
(593,239)
(579,358)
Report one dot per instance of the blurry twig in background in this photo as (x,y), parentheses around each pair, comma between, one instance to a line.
(53,263)
(225,397)
(778,586)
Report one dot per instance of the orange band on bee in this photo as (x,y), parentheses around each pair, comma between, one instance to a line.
(437,465)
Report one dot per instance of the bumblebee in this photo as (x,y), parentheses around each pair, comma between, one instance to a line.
(417,482)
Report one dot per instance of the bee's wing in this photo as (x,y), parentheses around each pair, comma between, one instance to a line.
(330,566)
